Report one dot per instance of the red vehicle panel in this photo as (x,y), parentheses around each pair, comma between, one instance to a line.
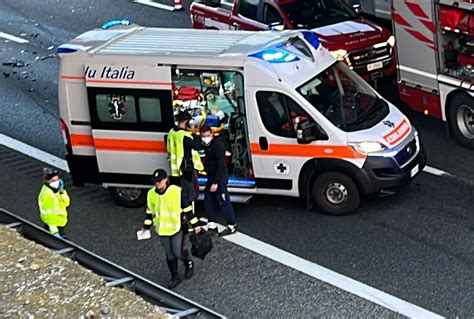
(363,45)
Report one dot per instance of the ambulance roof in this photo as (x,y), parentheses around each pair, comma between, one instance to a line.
(176,42)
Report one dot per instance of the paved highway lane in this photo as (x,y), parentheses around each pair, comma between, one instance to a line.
(231,280)
(29,71)
(417,245)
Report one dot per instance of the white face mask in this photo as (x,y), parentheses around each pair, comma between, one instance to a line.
(54,184)
(206,140)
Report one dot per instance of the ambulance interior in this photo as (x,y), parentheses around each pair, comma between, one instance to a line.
(215,99)
(456,42)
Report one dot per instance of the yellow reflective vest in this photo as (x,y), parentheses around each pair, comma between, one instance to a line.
(52,206)
(166,210)
(175,148)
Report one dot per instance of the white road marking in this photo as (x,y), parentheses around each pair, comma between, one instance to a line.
(285,258)
(331,277)
(12,38)
(155,4)
(435,171)
(34,152)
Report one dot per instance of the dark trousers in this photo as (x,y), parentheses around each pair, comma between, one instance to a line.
(218,202)
(173,245)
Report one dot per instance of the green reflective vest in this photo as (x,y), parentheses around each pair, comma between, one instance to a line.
(53,206)
(166,210)
(175,148)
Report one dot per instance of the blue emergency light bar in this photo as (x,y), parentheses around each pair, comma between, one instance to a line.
(233,182)
(311,37)
(275,55)
(65,48)
(115,23)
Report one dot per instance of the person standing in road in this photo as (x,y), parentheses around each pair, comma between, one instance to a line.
(165,212)
(53,200)
(216,196)
(184,159)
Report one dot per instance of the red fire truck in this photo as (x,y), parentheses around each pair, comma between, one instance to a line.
(435,51)
(365,46)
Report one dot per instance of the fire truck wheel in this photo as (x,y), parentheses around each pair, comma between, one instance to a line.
(461,119)
(129,197)
(336,194)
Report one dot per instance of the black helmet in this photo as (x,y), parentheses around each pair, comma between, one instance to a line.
(158,175)
(49,173)
(183,116)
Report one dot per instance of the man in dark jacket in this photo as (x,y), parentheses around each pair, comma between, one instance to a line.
(216,196)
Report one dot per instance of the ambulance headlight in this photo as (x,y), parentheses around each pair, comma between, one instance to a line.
(339,54)
(368,147)
(391,41)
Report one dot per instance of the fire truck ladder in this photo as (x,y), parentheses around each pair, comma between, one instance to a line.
(112,273)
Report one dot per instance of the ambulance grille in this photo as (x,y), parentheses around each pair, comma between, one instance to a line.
(362,57)
(407,153)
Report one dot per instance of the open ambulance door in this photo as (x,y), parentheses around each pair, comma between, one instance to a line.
(131,113)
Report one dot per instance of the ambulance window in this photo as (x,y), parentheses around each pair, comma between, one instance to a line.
(116,108)
(249,8)
(280,114)
(150,109)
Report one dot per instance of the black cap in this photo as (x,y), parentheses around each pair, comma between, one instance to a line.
(49,173)
(183,116)
(158,175)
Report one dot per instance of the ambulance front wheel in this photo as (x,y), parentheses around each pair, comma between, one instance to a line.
(336,194)
(128,196)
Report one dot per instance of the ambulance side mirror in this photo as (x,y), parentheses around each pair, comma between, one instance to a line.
(307,132)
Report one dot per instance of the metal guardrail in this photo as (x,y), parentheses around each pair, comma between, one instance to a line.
(112,273)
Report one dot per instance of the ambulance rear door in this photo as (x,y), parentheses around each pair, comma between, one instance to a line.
(131,113)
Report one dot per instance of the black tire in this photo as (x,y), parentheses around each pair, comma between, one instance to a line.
(341,188)
(461,119)
(129,197)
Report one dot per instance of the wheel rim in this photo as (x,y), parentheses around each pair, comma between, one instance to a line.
(129,194)
(465,121)
(336,193)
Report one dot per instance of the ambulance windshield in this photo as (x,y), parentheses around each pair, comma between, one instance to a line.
(344,98)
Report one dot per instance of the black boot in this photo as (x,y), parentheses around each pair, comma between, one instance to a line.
(188,267)
(173,267)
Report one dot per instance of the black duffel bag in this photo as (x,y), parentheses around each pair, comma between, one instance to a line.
(201,244)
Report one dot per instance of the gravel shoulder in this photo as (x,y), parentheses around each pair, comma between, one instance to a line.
(34,282)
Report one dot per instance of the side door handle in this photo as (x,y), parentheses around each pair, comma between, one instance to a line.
(263,143)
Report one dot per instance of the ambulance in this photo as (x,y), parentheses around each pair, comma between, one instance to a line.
(297,122)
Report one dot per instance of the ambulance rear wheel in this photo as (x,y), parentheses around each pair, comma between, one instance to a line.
(336,194)
(461,119)
(128,196)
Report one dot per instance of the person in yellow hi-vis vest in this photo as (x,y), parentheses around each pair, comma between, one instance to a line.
(53,201)
(165,212)
(184,159)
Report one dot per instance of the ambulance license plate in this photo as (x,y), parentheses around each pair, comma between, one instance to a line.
(414,171)
(374,66)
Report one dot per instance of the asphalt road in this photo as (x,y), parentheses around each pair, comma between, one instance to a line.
(417,245)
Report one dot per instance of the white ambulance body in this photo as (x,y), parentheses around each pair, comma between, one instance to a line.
(299,122)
